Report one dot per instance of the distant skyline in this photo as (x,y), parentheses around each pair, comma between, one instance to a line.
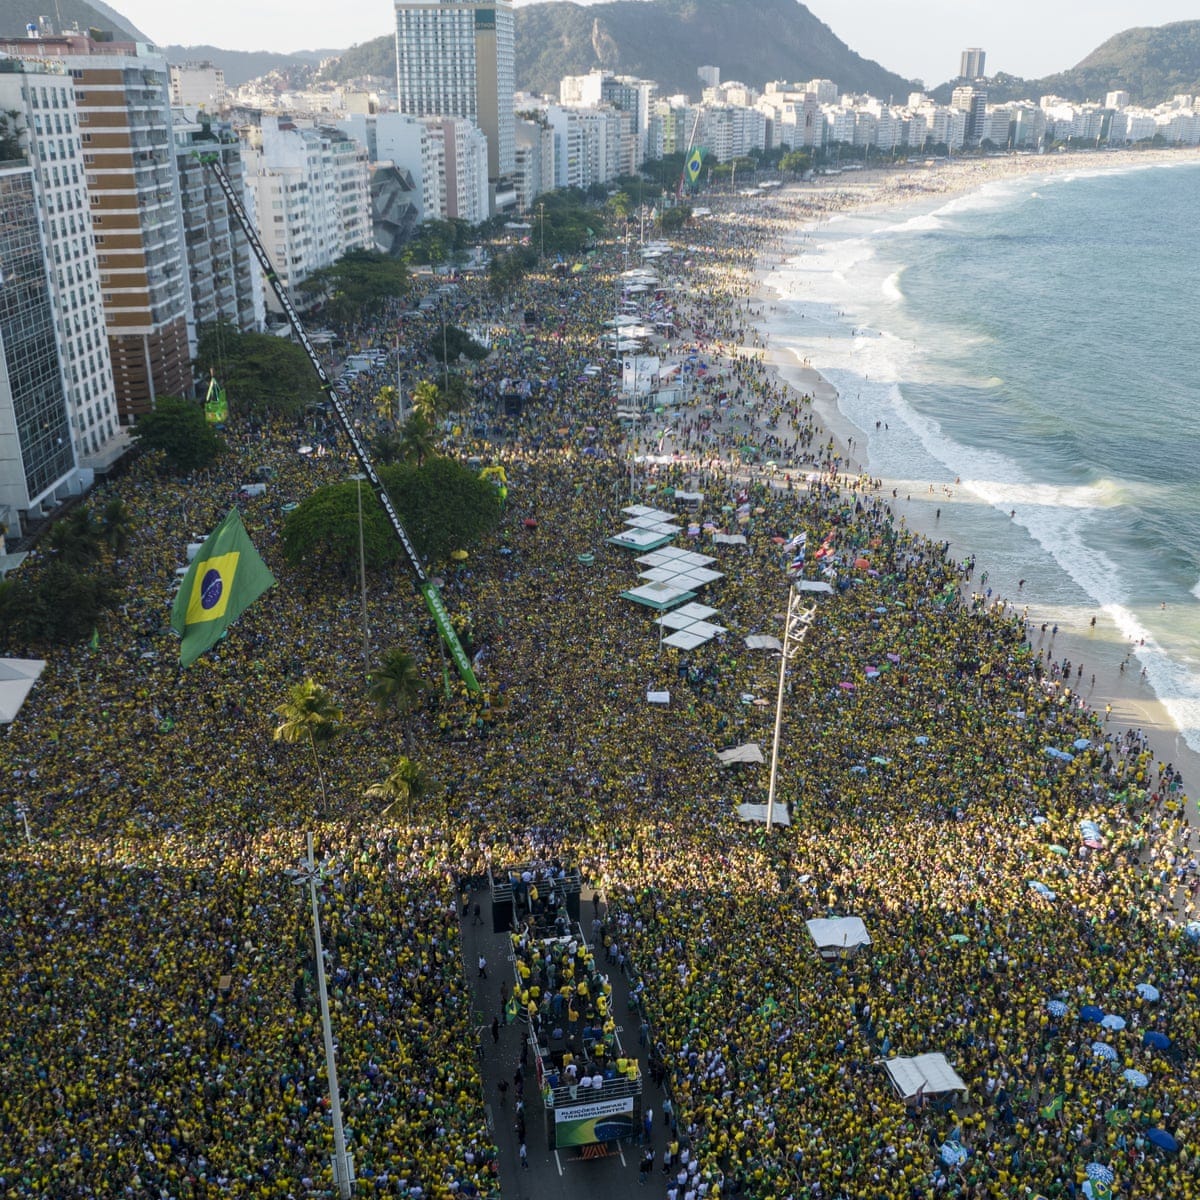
(919,39)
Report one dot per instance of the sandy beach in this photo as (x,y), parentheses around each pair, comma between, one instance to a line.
(1110,677)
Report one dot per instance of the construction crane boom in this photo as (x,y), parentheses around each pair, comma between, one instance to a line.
(425,585)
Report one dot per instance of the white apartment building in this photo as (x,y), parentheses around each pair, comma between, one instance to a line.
(454,58)
(535,161)
(586,145)
(42,96)
(460,158)
(198,85)
(312,195)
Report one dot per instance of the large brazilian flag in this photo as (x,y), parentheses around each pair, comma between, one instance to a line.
(225,578)
(695,161)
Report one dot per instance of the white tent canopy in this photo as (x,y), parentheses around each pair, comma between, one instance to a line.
(729,539)
(758,814)
(750,752)
(838,933)
(763,641)
(17,677)
(927,1074)
(813,585)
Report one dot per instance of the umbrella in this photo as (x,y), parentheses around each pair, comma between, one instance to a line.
(1162,1139)
(921,740)
(883,762)
(1100,1173)
(1134,1078)
(1156,1040)
(1081,743)
(959,938)
(1192,930)
(1059,850)
(1112,1021)
(953,1154)
(459,555)
(1089,1012)
(1056,1008)
(1105,1051)
(1148,991)
(1042,889)
(1039,819)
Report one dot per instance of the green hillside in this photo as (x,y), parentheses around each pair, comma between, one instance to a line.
(667,40)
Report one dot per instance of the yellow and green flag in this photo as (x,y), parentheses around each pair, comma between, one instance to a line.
(695,161)
(216,408)
(225,578)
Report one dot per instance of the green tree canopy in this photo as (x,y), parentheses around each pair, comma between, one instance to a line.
(360,282)
(444,506)
(178,428)
(262,373)
(60,605)
(447,343)
(312,716)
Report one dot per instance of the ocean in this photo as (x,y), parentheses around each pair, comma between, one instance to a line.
(1029,350)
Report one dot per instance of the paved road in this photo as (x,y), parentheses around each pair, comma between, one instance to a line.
(561,1175)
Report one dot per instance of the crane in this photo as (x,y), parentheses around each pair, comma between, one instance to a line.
(424,584)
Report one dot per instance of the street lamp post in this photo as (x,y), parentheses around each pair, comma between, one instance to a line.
(796,625)
(542,229)
(343,1164)
(21,813)
(362,581)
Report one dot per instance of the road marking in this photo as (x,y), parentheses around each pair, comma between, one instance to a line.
(558,1161)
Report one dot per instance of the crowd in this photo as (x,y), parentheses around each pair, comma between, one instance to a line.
(156,962)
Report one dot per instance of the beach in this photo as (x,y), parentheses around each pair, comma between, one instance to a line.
(1085,637)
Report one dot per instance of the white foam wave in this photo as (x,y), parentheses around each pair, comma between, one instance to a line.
(891,286)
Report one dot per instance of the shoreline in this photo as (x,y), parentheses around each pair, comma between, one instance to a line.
(1100,648)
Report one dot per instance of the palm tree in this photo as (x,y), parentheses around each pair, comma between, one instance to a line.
(397,684)
(117,526)
(310,714)
(387,403)
(76,538)
(405,783)
(419,439)
(428,401)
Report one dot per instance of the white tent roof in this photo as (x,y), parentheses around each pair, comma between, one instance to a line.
(640,539)
(658,595)
(763,641)
(813,585)
(838,933)
(685,617)
(675,556)
(930,1074)
(729,539)
(689,497)
(654,523)
(758,813)
(751,752)
(17,677)
(686,639)
(696,612)
(692,576)
(644,510)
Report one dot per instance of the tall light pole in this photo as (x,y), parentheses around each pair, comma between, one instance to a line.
(362,581)
(542,229)
(795,626)
(343,1164)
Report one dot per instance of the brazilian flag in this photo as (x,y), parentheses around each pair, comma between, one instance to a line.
(695,161)
(225,578)
(1051,1110)
(216,409)
(510,1010)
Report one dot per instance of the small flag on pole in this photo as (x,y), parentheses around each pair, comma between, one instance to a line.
(216,409)
(225,578)
(694,162)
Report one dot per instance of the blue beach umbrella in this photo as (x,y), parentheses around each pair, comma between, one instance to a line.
(1099,1173)
(1056,1008)
(1081,743)
(1112,1021)
(1137,1079)
(1156,1040)
(1043,890)
(953,1154)
(1089,1012)
(1105,1051)
(1148,991)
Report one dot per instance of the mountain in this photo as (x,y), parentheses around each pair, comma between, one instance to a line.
(16,14)
(1152,64)
(240,66)
(667,40)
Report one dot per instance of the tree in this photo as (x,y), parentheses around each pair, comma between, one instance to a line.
(179,430)
(359,283)
(796,162)
(397,684)
(388,447)
(310,715)
(10,135)
(387,403)
(405,784)
(428,402)
(61,605)
(76,539)
(323,529)
(450,342)
(419,438)
(117,526)
(262,374)
(674,219)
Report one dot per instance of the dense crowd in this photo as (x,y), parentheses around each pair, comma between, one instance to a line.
(155,958)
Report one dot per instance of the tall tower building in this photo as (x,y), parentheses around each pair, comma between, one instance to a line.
(37,458)
(40,98)
(454,58)
(122,95)
(971,64)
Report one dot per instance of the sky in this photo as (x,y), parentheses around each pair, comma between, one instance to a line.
(920,39)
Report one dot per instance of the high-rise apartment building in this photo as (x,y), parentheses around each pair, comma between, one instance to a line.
(454,58)
(37,458)
(312,195)
(198,85)
(224,275)
(40,95)
(971,64)
(123,103)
